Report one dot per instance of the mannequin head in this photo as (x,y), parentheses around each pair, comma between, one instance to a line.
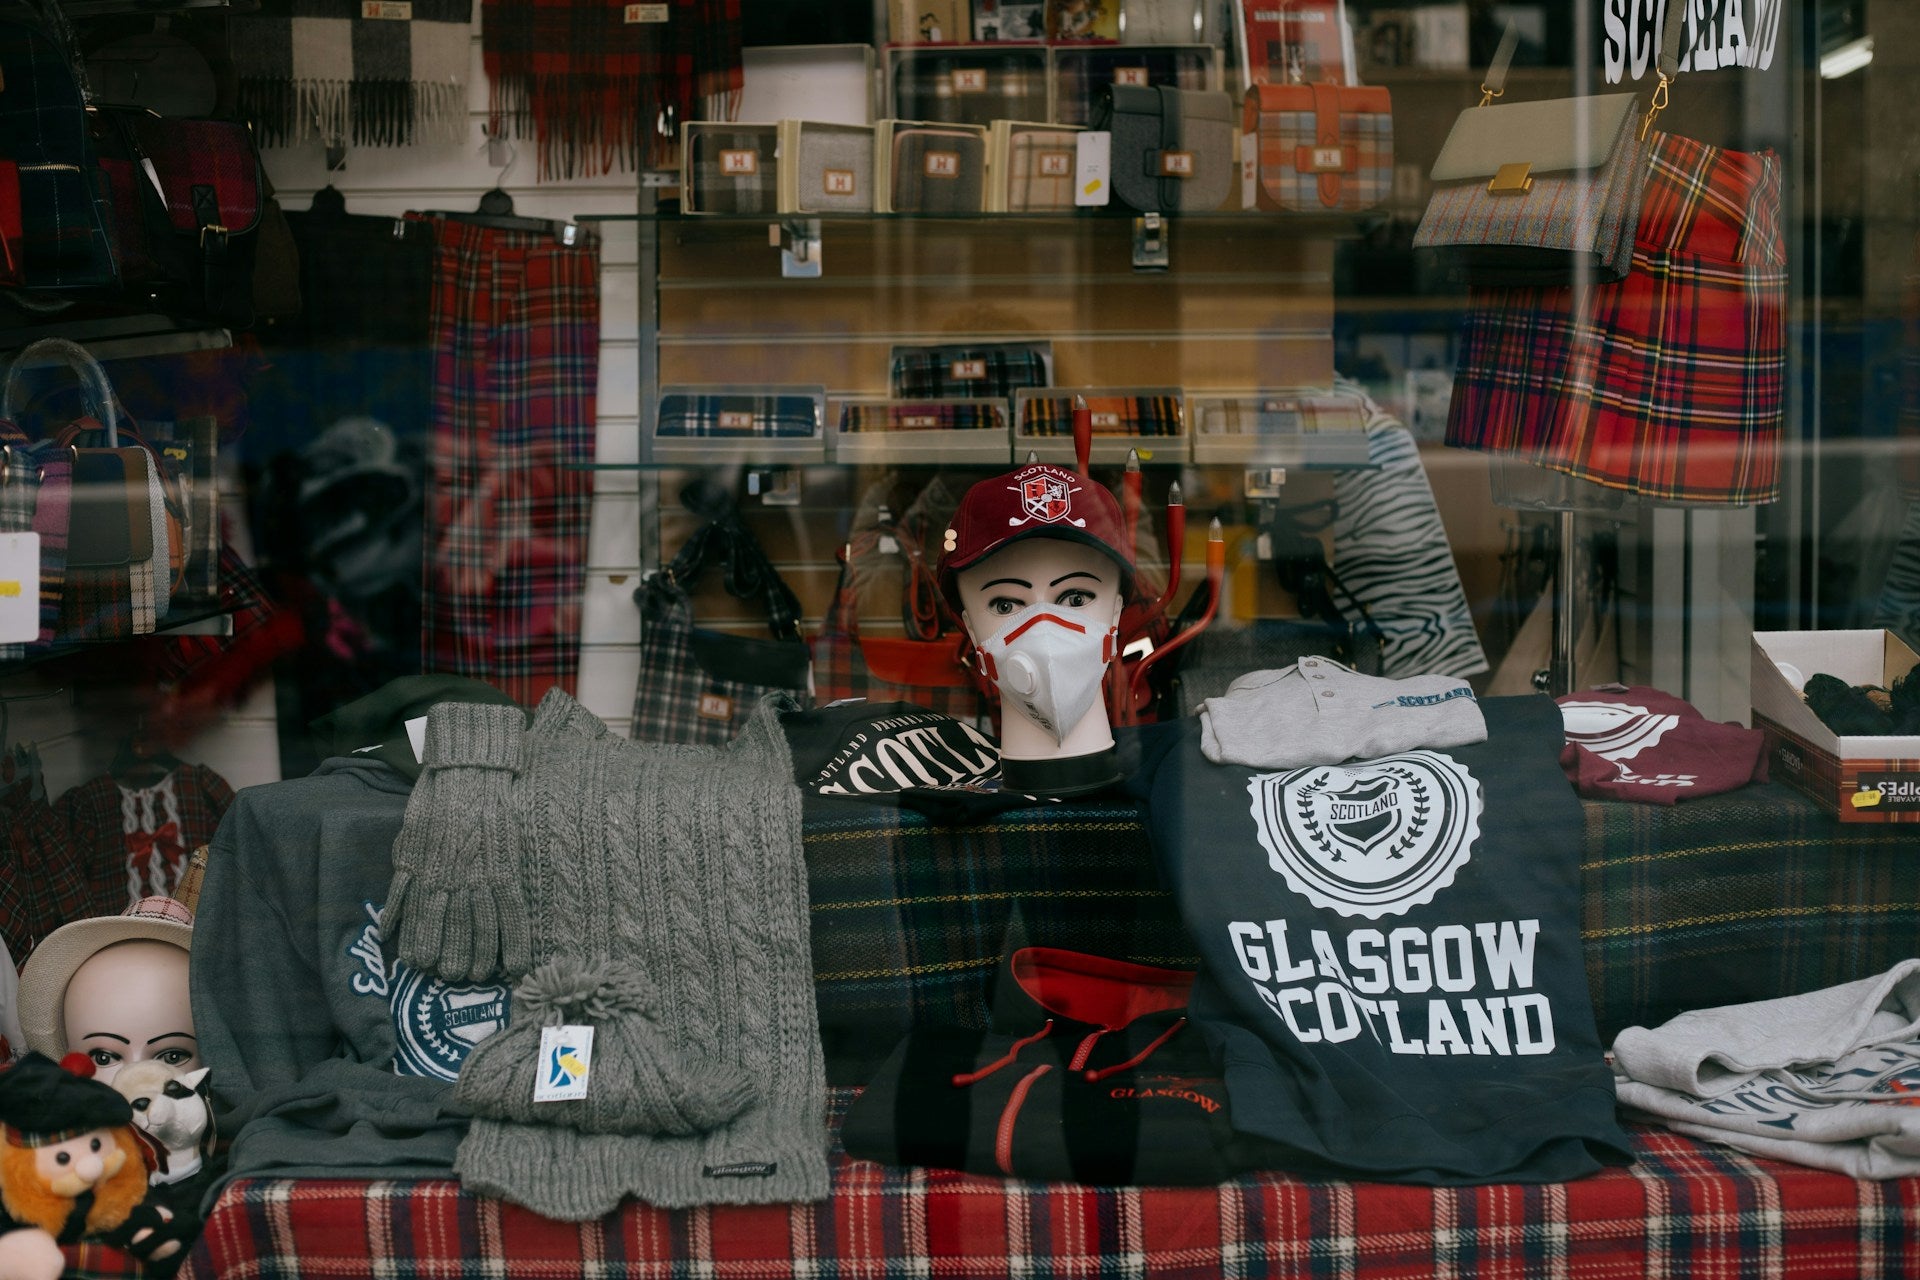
(1037,564)
(1079,584)
(114,988)
(128,1004)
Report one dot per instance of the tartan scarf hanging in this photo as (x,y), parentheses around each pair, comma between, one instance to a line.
(380,73)
(599,84)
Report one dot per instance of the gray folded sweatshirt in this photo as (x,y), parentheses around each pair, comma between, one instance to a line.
(1319,712)
(1827,1079)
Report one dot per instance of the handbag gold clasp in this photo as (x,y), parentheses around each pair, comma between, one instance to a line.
(1511,179)
(1488,95)
(1658,105)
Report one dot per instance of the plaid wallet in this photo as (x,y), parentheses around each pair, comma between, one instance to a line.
(946,85)
(932,168)
(1113,415)
(966,415)
(960,372)
(730,168)
(735,415)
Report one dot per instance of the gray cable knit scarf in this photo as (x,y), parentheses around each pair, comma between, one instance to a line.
(656,893)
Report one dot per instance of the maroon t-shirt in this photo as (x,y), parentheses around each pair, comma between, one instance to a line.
(1650,747)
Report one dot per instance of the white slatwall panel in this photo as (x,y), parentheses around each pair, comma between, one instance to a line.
(452,175)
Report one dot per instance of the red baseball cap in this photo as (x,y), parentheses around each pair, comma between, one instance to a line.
(1037,501)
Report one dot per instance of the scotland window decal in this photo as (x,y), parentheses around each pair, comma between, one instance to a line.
(1372,838)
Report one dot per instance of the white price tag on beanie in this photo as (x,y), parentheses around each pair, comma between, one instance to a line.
(566,1064)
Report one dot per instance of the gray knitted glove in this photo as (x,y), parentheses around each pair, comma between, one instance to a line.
(641,1081)
(456,907)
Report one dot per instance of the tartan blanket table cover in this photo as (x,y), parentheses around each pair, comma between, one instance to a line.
(1684,1208)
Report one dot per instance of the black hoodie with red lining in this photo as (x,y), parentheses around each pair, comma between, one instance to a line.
(1091,1074)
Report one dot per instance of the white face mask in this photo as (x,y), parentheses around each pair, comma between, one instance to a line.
(1049,661)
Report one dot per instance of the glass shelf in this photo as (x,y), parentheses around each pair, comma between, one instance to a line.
(1337,225)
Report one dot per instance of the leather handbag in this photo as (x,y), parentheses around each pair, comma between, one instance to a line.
(126,544)
(696,685)
(61,239)
(932,671)
(1316,148)
(1542,193)
(188,200)
(1172,149)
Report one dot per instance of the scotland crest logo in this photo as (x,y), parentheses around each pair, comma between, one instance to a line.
(1371,838)
(1046,496)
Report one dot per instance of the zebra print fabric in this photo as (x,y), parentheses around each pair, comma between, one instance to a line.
(1392,552)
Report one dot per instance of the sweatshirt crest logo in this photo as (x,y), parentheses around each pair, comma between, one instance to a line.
(435,1023)
(1372,838)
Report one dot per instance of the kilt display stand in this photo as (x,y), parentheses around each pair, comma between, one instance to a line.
(1720,900)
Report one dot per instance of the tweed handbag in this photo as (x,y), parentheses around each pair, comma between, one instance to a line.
(1544,192)
(1172,149)
(931,670)
(698,686)
(1669,384)
(1317,148)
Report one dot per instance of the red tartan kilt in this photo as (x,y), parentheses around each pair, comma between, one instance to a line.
(1669,383)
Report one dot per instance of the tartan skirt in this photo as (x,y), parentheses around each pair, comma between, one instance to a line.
(1670,383)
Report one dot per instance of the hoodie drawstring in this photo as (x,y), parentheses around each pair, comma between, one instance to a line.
(966,1078)
(1138,1058)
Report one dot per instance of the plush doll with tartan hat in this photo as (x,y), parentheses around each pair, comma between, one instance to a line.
(70,1167)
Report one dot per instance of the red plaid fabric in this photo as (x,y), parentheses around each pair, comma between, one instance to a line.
(133,842)
(598,88)
(1687,1208)
(1669,383)
(516,337)
(43,887)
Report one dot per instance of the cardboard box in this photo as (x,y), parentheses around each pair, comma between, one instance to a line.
(830,83)
(1858,779)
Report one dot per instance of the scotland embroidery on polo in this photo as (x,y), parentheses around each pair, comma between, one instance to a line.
(1619,731)
(1372,838)
(435,1023)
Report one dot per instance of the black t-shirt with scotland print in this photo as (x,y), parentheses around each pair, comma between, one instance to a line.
(898,754)
(1392,979)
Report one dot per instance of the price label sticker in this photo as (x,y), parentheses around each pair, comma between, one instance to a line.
(19,587)
(566,1064)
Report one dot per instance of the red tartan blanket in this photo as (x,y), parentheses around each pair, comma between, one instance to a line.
(1687,1208)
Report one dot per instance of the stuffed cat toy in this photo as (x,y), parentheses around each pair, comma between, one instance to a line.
(173,1115)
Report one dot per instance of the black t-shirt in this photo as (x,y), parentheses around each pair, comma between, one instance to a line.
(899,754)
(1392,978)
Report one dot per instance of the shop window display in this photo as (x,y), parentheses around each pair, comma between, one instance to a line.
(1096,636)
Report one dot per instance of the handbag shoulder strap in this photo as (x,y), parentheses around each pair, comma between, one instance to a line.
(1172,132)
(93,381)
(1672,24)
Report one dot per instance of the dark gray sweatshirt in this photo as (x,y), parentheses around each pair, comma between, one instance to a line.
(329,1057)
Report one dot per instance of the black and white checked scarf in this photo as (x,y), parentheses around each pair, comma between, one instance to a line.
(370,72)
